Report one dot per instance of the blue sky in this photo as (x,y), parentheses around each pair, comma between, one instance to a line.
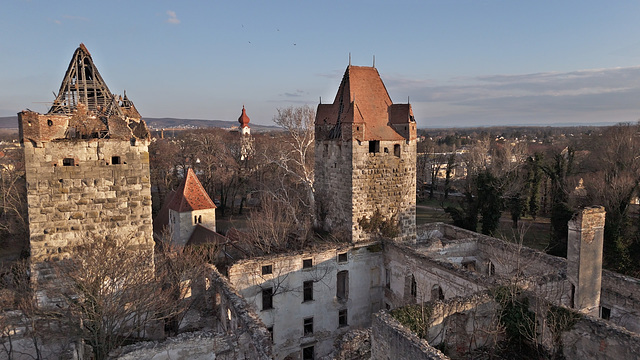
(461,63)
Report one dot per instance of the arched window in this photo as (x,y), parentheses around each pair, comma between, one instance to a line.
(436,293)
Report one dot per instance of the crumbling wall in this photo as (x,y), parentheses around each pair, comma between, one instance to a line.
(286,277)
(433,278)
(621,296)
(391,340)
(592,338)
(238,333)
(464,324)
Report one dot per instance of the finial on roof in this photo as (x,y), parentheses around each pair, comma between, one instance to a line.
(374,61)
(243,119)
(408,102)
(349,58)
(320,99)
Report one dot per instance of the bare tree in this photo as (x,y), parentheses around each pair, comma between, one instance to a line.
(296,157)
(110,293)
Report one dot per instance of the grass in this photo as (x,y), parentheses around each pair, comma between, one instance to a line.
(536,232)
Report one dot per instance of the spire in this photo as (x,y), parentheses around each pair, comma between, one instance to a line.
(243,119)
(82,84)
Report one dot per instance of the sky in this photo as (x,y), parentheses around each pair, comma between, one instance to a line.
(459,63)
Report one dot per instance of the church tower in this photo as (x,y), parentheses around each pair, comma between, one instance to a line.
(87,168)
(365,160)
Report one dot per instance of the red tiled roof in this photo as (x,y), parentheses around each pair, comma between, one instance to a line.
(190,195)
(203,235)
(363,98)
(243,119)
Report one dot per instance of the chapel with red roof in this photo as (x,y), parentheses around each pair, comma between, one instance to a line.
(188,216)
(365,159)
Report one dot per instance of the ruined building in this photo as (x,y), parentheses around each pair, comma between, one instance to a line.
(365,158)
(87,167)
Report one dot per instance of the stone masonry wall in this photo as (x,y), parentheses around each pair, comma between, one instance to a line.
(352,183)
(333,185)
(391,340)
(385,182)
(68,203)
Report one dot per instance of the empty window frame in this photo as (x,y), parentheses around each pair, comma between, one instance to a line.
(307,290)
(491,269)
(396,150)
(387,278)
(374,146)
(414,286)
(344,257)
(308,353)
(307,263)
(342,286)
(115,160)
(307,326)
(605,313)
(343,318)
(267,269)
(68,162)
(436,293)
(267,299)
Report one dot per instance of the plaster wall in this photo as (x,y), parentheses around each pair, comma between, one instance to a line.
(364,295)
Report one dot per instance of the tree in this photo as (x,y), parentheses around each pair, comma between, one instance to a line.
(558,172)
(451,164)
(295,158)
(109,292)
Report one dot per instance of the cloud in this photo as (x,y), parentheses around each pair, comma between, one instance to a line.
(578,96)
(173,18)
(297,93)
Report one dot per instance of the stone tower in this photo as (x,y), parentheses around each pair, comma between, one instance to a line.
(584,259)
(189,208)
(87,168)
(365,158)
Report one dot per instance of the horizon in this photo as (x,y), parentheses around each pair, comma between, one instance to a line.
(462,64)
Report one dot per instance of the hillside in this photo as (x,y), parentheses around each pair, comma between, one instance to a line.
(11,122)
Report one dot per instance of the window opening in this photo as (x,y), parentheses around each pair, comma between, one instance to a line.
(307,290)
(343,257)
(436,293)
(386,150)
(270,330)
(374,146)
(343,318)
(68,162)
(267,299)
(115,160)
(605,313)
(308,353)
(49,122)
(414,286)
(492,269)
(342,285)
(396,150)
(267,269)
(308,326)
(387,278)
(307,263)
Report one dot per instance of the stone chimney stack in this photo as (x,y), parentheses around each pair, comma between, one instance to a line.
(584,258)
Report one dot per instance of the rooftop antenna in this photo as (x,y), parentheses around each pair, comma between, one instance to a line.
(374,61)
(349,58)
(320,99)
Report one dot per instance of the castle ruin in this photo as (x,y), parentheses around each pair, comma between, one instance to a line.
(87,168)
